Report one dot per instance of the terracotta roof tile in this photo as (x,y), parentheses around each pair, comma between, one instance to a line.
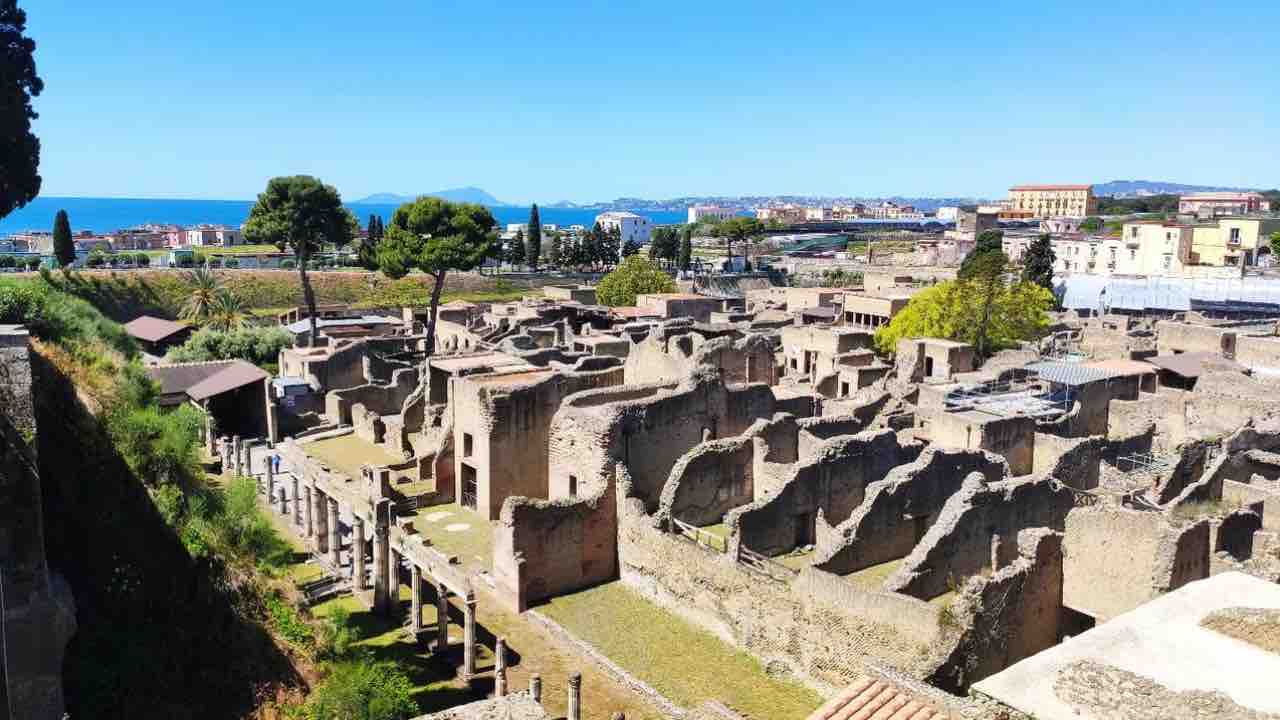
(868,699)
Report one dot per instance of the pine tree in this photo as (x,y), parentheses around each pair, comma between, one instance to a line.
(686,247)
(19,147)
(368,250)
(1037,262)
(64,248)
(516,253)
(533,249)
(555,251)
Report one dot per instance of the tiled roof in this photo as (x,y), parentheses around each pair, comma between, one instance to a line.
(868,699)
(153,329)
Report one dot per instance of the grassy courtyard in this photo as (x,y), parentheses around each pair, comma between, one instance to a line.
(687,664)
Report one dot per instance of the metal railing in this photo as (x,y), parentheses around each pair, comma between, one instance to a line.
(469,500)
(1142,462)
(700,537)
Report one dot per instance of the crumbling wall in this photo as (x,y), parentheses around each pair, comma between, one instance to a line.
(1224,401)
(1176,337)
(816,626)
(1009,616)
(1076,462)
(1116,559)
(1189,468)
(900,509)
(709,481)
(545,548)
(1167,410)
(379,399)
(817,430)
(833,481)
(975,532)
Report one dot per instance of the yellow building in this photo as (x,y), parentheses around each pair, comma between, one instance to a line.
(1042,201)
(1233,241)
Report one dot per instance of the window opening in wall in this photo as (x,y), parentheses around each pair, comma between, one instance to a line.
(844,389)
(466,445)
(469,486)
(573,486)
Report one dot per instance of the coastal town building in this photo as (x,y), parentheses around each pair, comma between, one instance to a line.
(703,212)
(1217,204)
(1053,200)
(210,235)
(633,228)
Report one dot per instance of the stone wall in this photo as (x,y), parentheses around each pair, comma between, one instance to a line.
(815,431)
(900,509)
(1258,352)
(831,482)
(709,481)
(1176,337)
(376,398)
(1076,462)
(976,532)
(1011,437)
(544,548)
(1116,559)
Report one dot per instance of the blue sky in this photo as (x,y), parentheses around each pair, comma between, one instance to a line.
(590,101)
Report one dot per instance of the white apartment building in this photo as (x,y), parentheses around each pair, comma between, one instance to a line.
(632,227)
(700,212)
(1218,204)
(948,213)
(213,235)
(817,214)
(1148,249)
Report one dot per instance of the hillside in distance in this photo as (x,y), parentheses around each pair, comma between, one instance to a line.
(1139,188)
(466,194)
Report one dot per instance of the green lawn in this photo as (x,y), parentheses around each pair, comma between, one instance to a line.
(456,530)
(347,453)
(687,664)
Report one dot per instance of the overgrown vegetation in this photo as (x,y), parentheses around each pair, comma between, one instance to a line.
(258,345)
(635,276)
(954,311)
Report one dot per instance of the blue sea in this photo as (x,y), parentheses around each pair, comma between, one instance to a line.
(103,215)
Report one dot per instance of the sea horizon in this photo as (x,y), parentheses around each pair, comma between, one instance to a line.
(105,215)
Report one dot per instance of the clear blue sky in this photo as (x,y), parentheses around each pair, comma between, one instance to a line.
(546,101)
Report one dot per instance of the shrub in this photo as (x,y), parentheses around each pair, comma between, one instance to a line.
(142,259)
(363,690)
(233,263)
(57,316)
(8,261)
(258,345)
(635,276)
(286,621)
(160,447)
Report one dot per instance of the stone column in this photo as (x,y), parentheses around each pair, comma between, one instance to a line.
(335,535)
(297,502)
(415,600)
(224,454)
(442,617)
(271,481)
(380,603)
(310,521)
(469,636)
(284,504)
(575,696)
(320,540)
(500,668)
(357,554)
(237,460)
(393,579)
(535,688)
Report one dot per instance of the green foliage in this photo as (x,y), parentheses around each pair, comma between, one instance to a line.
(57,316)
(516,252)
(629,248)
(1091,224)
(64,248)
(367,253)
(1275,244)
(737,229)
(20,151)
(336,637)
(1129,206)
(533,243)
(1037,262)
(258,345)
(205,289)
(228,313)
(953,310)
(288,623)
(988,241)
(363,690)
(636,276)
(160,447)
(665,244)
(435,236)
(686,247)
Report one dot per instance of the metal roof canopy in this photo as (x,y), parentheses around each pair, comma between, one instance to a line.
(1102,292)
(1071,374)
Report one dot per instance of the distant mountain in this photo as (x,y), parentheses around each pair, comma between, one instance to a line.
(1139,188)
(466,194)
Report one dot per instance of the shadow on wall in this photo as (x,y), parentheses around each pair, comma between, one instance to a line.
(160,635)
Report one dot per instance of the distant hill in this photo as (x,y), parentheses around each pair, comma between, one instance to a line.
(1139,188)
(466,194)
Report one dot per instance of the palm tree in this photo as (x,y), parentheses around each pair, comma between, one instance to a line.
(205,290)
(228,312)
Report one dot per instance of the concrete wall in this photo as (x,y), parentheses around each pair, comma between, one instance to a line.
(1116,559)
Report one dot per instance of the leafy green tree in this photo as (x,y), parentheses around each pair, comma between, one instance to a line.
(363,690)
(987,241)
(368,250)
(986,278)
(1275,246)
(629,248)
(738,229)
(686,247)
(533,249)
(515,253)
(259,345)
(635,276)
(1091,224)
(19,147)
(435,236)
(64,247)
(953,311)
(300,213)
(1037,262)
